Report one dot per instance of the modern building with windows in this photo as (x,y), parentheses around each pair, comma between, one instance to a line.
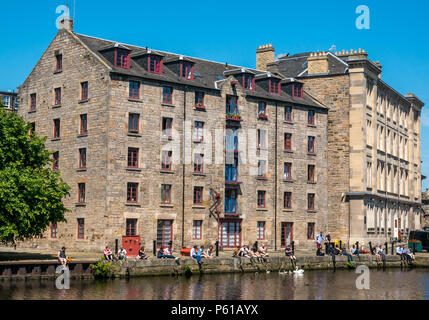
(162,147)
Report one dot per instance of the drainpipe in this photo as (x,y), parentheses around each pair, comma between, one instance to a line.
(184,166)
(275,182)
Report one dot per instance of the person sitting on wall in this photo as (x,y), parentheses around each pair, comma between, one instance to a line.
(354,251)
(263,251)
(142,254)
(122,255)
(195,253)
(254,251)
(406,254)
(348,255)
(160,254)
(337,250)
(168,253)
(380,253)
(108,255)
(319,252)
(62,258)
(399,252)
(210,252)
(289,253)
(319,239)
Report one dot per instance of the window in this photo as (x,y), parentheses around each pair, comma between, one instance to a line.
(288,142)
(199,99)
(196,229)
(288,171)
(134,90)
(311,145)
(82,158)
(288,200)
(311,173)
(133,157)
(311,201)
(166,160)
(261,199)
(260,230)
(122,59)
(198,195)
(311,117)
(231,203)
(133,123)
(131,227)
(297,91)
(262,139)
(274,86)
(230,233)
(166,193)
(33,101)
(55,162)
(155,64)
(187,70)
(262,109)
(167,124)
(6,101)
(80,228)
(198,163)
(54,230)
(81,193)
(167,95)
(310,231)
(58,96)
(132,189)
(84,91)
(198,131)
(164,233)
(287,234)
(288,114)
(57,128)
(59,62)
(262,168)
(248,81)
(83,124)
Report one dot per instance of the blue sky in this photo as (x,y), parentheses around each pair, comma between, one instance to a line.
(230,31)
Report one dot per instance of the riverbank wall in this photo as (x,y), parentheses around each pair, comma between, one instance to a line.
(165,267)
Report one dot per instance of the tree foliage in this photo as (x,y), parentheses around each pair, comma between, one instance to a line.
(31,193)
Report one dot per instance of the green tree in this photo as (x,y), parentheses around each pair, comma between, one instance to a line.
(31,193)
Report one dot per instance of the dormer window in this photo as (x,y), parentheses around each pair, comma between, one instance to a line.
(274,86)
(155,64)
(248,81)
(122,58)
(187,70)
(297,90)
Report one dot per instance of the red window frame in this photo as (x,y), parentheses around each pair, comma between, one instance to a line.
(283,240)
(162,226)
(81,228)
(132,192)
(311,173)
(288,114)
(261,198)
(55,161)
(57,128)
(311,119)
(134,123)
(33,101)
(167,95)
(287,201)
(198,163)
(122,59)
(260,230)
(134,89)
(166,161)
(54,230)
(133,158)
(166,193)
(82,158)
(274,86)
(83,123)
(57,96)
(199,131)
(187,70)
(311,145)
(155,64)
(236,233)
(199,99)
(248,81)
(84,91)
(311,201)
(197,229)
(288,171)
(262,138)
(59,62)
(81,193)
(198,195)
(310,230)
(262,112)
(131,227)
(297,90)
(167,125)
(260,167)
(288,141)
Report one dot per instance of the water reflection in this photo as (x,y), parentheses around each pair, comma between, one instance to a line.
(315,285)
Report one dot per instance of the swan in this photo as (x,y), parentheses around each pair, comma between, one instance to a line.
(268,271)
(298,271)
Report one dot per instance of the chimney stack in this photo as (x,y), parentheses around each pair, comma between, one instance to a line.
(66,23)
(318,63)
(264,56)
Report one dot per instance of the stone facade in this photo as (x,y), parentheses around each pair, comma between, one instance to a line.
(425,201)
(106,212)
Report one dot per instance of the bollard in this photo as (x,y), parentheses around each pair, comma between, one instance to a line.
(341,245)
(217,248)
(326,248)
(387,249)
(256,245)
(154,248)
(370,247)
(116,245)
(170,243)
(393,245)
(293,247)
(357,245)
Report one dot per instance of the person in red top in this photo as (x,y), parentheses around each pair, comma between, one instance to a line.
(108,254)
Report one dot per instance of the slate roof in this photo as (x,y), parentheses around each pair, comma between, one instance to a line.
(207,73)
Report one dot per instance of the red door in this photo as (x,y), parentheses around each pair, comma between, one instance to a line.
(131,244)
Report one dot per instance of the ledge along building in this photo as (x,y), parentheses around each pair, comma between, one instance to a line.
(163,147)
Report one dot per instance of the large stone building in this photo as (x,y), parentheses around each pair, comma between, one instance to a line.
(425,201)
(374,164)
(9,100)
(148,140)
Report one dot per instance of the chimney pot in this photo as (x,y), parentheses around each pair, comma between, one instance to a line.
(66,24)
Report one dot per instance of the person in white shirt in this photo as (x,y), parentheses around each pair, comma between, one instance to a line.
(122,255)
(319,239)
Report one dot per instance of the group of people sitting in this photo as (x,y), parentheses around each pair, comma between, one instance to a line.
(254,252)
(200,253)
(405,254)
(166,253)
(121,255)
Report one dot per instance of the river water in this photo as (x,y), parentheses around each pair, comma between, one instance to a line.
(312,285)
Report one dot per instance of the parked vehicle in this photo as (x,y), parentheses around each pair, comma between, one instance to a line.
(419,236)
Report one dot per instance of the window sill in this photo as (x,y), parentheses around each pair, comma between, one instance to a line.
(80,204)
(312,211)
(262,178)
(288,151)
(132,134)
(198,141)
(83,135)
(260,117)
(135,100)
(166,138)
(167,104)
(311,125)
(167,171)
(288,180)
(32,111)
(56,106)
(56,139)
(311,154)
(134,169)
(261,209)
(130,204)
(166,205)
(83,101)
(198,207)
(201,174)
(81,169)
(288,122)
(200,108)
(287,210)
(311,182)
(58,71)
